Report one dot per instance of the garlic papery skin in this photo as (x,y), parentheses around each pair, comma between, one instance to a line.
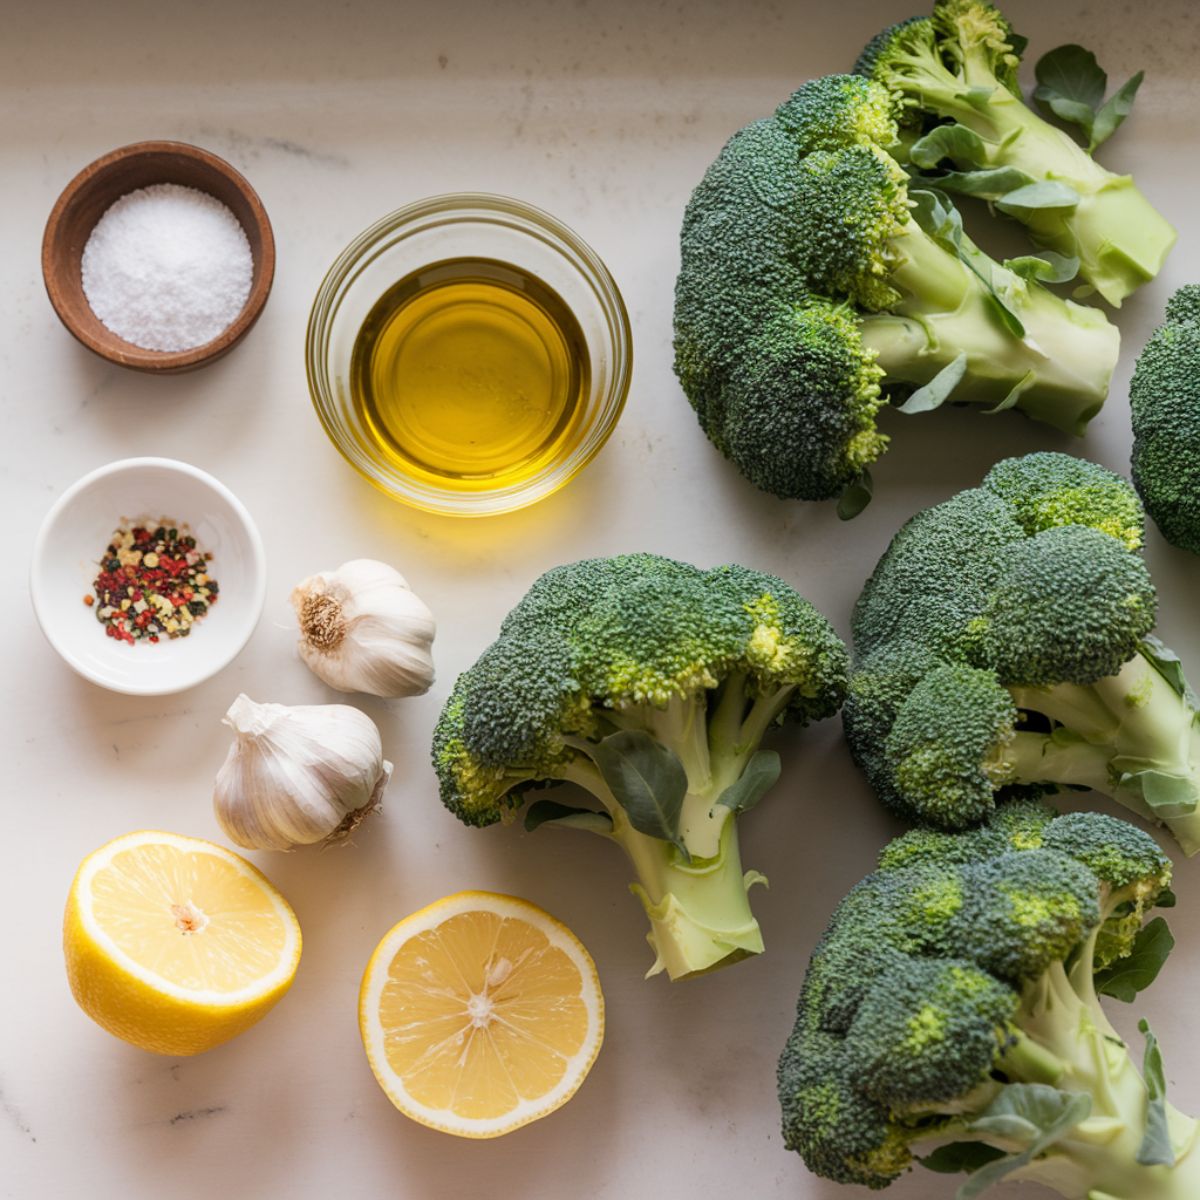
(362,629)
(297,775)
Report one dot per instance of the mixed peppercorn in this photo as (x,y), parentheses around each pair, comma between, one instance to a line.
(153,583)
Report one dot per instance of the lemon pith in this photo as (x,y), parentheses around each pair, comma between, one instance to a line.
(175,944)
(480,1013)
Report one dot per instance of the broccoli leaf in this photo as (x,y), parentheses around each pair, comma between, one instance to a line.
(955,142)
(937,391)
(1166,899)
(1156,1149)
(1018,390)
(1167,663)
(646,779)
(1119,106)
(934,213)
(543,811)
(1071,83)
(1047,193)
(756,780)
(1035,1113)
(959,1157)
(988,183)
(1047,267)
(1168,795)
(1139,969)
(856,495)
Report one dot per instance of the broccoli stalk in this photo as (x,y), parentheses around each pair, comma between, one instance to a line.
(650,684)
(694,892)
(951,1014)
(700,917)
(1133,736)
(960,65)
(1061,1039)
(1056,372)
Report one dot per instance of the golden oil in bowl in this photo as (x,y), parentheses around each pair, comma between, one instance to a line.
(470,374)
(468,354)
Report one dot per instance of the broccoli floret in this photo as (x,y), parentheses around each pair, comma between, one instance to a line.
(650,684)
(950,1015)
(1004,646)
(815,288)
(1164,399)
(953,78)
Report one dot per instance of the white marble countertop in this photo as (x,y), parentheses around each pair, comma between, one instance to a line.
(606,114)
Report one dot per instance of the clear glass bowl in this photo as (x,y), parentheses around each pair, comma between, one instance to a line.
(452,227)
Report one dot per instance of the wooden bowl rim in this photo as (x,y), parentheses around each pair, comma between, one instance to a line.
(111,346)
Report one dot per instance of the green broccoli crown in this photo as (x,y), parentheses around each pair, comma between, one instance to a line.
(964,43)
(883,57)
(1164,399)
(837,111)
(955,769)
(777,372)
(798,415)
(972,32)
(1035,629)
(736,270)
(1184,305)
(610,634)
(1032,580)
(910,1011)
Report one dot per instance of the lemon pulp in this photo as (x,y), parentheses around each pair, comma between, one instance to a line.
(175,944)
(481,1013)
(192,919)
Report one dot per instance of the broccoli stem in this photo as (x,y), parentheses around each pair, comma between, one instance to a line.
(700,916)
(1060,370)
(1109,731)
(1061,1014)
(1121,240)
(1061,1036)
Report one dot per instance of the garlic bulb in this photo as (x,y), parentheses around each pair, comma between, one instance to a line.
(298,775)
(363,630)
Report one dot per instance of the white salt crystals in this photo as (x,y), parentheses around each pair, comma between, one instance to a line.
(167,267)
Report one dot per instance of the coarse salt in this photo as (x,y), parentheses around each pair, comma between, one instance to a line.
(167,267)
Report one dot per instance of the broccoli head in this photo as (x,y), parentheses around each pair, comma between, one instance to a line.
(950,1015)
(953,79)
(650,684)
(1164,398)
(816,286)
(1004,646)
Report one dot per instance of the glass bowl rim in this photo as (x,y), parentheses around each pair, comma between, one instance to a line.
(465,208)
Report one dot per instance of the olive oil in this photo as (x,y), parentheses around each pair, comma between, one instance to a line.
(470,374)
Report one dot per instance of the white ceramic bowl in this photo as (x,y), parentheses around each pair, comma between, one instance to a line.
(73,537)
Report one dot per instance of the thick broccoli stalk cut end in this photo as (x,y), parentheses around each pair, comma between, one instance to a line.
(698,907)
(1057,372)
(1164,399)
(950,1015)
(960,66)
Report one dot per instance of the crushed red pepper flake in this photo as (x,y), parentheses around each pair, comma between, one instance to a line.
(152,583)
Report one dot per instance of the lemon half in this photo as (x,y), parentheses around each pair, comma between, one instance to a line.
(176,944)
(480,1014)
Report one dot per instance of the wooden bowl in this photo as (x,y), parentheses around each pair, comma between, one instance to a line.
(88,196)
